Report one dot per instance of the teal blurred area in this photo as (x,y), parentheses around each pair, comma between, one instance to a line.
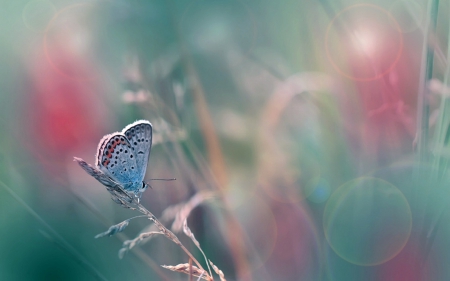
(296,125)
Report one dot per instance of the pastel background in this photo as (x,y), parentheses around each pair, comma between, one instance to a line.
(319,131)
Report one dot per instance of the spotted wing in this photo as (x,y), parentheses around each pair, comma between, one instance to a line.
(139,134)
(96,173)
(115,158)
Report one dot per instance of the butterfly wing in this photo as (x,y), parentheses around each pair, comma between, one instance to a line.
(139,134)
(115,158)
(104,179)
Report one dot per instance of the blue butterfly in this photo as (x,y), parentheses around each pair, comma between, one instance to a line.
(122,158)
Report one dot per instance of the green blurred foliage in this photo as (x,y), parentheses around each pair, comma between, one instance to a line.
(294,130)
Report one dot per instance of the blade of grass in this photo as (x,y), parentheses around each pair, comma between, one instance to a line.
(426,73)
(55,236)
(441,161)
(216,159)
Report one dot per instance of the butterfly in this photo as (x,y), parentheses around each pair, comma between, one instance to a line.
(122,158)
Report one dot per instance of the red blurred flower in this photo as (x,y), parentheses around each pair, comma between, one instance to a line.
(61,113)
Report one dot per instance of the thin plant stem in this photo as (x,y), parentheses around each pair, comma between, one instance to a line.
(165,231)
(440,163)
(216,158)
(190,270)
(122,237)
(423,114)
(426,73)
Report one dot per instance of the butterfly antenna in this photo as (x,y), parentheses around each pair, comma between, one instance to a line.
(147,183)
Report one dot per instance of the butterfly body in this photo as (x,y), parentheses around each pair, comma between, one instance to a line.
(123,157)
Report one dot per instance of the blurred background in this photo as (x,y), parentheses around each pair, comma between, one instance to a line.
(309,139)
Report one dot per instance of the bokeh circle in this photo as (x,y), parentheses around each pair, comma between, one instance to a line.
(363,42)
(367,221)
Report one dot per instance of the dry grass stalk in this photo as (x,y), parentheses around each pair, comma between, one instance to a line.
(189,233)
(164,230)
(218,272)
(117,228)
(190,270)
(186,269)
(114,229)
(121,197)
(130,244)
(181,211)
